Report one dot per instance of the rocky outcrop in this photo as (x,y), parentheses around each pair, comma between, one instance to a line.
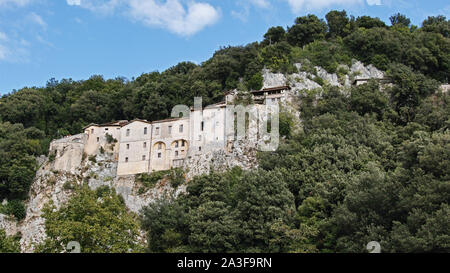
(303,80)
(8,224)
(242,154)
(52,183)
(68,152)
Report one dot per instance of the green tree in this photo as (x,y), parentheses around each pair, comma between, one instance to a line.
(8,244)
(305,30)
(437,24)
(274,35)
(98,220)
(256,82)
(369,22)
(400,19)
(338,23)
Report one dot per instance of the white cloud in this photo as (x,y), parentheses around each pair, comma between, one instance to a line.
(13,50)
(298,5)
(34,18)
(374,2)
(101,6)
(173,16)
(261,3)
(73,2)
(184,20)
(19,3)
(3,49)
(3,37)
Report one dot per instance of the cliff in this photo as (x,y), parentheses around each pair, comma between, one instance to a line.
(69,166)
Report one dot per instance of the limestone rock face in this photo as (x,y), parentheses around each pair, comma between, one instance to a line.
(68,152)
(303,80)
(52,183)
(8,224)
(242,155)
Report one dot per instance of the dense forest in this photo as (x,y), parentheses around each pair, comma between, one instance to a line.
(368,165)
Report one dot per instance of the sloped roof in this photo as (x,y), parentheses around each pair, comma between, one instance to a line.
(277,88)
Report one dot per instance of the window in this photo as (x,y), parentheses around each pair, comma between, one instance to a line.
(128,146)
(202,125)
(106,129)
(157,131)
(159,155)
(143,158)
(98,139)
(176,144)
(181,128)
(170,130)
(200,148)
(126,159)
(176,153)
(182,143)
(128,132)
(145,145)
(159,146)
(145,130)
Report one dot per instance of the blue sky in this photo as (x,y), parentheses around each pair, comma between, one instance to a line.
(43,39)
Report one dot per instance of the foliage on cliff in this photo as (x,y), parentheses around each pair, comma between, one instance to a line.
(98,220)
(8,244)
(368,166)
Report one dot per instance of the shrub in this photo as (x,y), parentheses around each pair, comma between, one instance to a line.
(52,156)
(176,177)
(110,139)
(16,208)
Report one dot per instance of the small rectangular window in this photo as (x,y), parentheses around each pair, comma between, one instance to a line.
(128,132)
(176,153)
(176,144)
(145,144)
(106,129)
(92,131)
(159,146)
(202,125)
(126,159)
(143,158)
(181,128)
(98,139)
(182,143)
(128,146)
(170,130)
(159,155)
(145,130)
(200,148)
(157,131)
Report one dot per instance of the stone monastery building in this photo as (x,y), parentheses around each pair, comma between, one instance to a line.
(141,146)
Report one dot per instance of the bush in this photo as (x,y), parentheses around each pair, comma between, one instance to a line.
(16,208)
(110,139)
(176,177)
(52,156)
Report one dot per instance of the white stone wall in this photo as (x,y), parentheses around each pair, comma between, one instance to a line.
(96,138)
(169,144)
(134,148)
(68,152)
